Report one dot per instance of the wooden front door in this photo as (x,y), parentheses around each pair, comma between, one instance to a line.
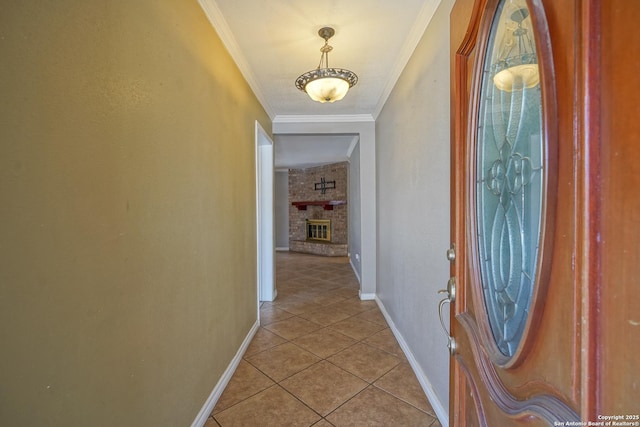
(545,187)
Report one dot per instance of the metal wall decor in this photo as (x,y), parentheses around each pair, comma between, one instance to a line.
(323,185)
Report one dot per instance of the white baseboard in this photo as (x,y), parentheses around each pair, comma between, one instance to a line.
(441,412)
(283,249)
(274,295)
(363,297)
(355,271)
(366,297)
(206,410)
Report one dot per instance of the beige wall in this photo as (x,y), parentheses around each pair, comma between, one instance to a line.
(127,212)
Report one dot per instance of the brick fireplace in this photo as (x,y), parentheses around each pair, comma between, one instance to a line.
(308,205)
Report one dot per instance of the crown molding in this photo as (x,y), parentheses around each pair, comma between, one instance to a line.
(338,118)
(408,47)
(219,23)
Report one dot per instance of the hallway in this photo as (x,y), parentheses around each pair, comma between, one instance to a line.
(322,357)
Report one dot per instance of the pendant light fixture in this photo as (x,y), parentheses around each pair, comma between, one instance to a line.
(517,66)
(326,84)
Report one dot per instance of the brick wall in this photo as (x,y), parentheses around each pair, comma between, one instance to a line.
(301,188)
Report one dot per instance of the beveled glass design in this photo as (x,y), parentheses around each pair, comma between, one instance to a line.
(509,177)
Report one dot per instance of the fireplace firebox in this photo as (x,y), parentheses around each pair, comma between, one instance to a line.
(319,229)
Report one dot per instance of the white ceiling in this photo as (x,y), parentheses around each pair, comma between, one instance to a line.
(303,151)
(274,41)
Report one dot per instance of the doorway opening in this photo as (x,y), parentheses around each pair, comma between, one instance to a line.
(265,215)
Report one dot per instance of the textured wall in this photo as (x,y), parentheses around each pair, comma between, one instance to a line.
(127,212)
(412,141)
(281,189)
(355,222)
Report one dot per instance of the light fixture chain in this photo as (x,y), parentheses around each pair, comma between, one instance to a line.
(324,58)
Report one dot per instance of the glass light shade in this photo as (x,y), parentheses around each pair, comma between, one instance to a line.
(325,84)
(518,77)
(327,89)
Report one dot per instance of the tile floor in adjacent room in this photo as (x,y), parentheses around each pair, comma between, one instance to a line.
(322,358)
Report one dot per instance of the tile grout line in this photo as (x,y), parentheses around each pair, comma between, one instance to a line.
(302,299)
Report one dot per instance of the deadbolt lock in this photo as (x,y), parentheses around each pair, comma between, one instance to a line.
(451,253)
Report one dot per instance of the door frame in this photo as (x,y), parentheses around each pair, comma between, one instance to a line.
(265,244)
(363,126)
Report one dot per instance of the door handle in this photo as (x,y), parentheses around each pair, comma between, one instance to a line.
(451,297)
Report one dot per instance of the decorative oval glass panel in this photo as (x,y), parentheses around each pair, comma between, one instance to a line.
(509,173)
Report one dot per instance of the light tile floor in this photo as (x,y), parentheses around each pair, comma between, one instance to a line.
(322,358)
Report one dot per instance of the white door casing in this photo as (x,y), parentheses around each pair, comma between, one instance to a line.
(265,215)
